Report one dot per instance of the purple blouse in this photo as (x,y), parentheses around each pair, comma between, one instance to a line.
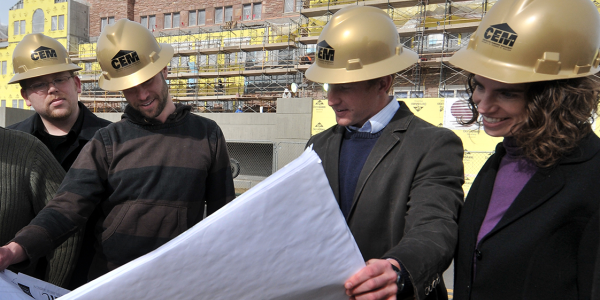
(514,172)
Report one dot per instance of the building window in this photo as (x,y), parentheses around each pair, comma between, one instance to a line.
(23,27)
(38,21)
(58,23)
(16,28)
(220,18)
(252,11)
(149,21)
(14,103)
(228,13)
(171,20)
(218,15)
(4,67)
(21,103)
(197,17)
(106,21)
(292,5)
(19,27)
(3,103)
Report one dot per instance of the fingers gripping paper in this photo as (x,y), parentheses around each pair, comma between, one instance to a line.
(286,238)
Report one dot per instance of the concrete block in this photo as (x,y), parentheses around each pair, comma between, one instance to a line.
(9,115)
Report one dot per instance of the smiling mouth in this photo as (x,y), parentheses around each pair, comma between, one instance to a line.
(147,103)
(493,120)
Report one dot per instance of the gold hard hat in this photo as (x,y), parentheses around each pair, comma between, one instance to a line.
(521,41)
(359,43)
(129,55)
(38,55)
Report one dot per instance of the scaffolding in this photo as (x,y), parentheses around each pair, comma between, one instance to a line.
(247,67)
(435,29)
(237,68)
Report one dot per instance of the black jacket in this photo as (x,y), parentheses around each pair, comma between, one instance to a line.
(91,123)
(545,245)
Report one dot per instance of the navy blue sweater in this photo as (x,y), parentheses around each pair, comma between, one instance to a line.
(356,147)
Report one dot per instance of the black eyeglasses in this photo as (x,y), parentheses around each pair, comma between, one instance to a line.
(42,87)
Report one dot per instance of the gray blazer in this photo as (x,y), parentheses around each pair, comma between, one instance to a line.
(407,197)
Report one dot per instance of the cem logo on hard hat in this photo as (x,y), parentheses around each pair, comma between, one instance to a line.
(325,52)
(500,35)
(124,59)
(43,53)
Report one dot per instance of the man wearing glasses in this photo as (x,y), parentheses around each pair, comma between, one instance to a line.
(43,69)
(48,83)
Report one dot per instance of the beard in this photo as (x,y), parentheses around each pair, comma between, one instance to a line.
(161,102)
(58,114)
(164,95)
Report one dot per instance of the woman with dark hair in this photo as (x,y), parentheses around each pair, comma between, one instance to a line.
(529,227)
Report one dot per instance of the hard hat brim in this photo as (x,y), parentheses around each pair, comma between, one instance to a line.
(139,77)
(477,64)
(46,70)
(382,68)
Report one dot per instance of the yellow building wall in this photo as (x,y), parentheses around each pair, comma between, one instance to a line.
(10,92)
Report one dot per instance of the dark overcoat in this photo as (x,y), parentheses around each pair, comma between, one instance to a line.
(545,245)
(407,197)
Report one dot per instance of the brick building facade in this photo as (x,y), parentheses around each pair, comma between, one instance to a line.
(205,13)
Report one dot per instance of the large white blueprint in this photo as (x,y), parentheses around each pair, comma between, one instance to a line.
(286,238)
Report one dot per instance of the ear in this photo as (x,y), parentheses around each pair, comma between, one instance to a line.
(77,83)
(26,97)
(165,72)
(385,83)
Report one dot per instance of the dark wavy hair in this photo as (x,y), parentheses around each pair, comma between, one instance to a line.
(559,114)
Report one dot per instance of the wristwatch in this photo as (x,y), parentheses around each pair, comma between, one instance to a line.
(399,278)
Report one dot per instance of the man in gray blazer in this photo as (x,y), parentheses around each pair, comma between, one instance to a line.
(397,178)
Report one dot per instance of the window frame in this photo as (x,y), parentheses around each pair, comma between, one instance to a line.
(61,22)
(172,24)
(253,14)
(104,21)
(40,22)
(296,6)
(197,14)
(148,19)
(221,12)
(224,11)
(54,23)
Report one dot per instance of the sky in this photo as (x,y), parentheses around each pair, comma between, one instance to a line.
(4,6)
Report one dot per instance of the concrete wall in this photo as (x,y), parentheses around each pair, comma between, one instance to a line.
(246,127)
(293,119)
(9,115)
(113,117)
